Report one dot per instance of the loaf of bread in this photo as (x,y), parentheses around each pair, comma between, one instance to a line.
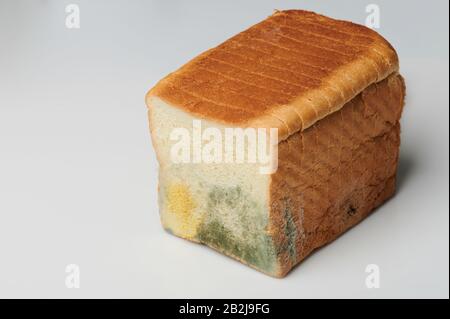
(331,90)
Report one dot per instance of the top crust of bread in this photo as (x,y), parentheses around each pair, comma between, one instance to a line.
(287,72)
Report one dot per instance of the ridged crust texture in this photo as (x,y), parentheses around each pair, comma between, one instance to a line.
(333,174)
(288,72)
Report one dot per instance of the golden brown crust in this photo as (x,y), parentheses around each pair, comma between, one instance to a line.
(288,71)
(336,172)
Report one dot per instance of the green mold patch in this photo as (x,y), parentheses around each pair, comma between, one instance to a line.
(236,225)
(290,231)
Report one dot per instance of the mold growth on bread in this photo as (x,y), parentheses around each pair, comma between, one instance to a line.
(290,231)
(181,205)
(235,224)
(337,104)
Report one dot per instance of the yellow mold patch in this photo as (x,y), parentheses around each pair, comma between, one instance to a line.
(183,220)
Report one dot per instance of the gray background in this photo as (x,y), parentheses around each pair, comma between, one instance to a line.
(78,173)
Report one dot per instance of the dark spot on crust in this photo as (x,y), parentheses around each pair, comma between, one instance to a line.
(351,211)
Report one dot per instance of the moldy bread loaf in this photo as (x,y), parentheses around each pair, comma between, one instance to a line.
(332,91)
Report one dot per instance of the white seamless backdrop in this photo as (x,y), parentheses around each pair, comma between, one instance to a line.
(78,175)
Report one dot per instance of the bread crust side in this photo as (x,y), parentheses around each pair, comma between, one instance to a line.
(286,72)
(332,175)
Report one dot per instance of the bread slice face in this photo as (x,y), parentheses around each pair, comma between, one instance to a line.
(223,205)
(331,90)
